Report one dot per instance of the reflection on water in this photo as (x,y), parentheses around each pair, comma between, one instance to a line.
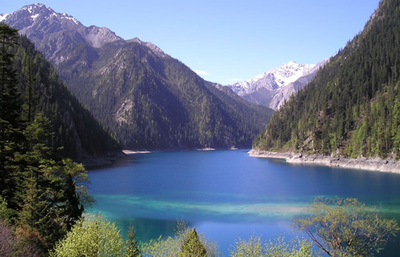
(226,194)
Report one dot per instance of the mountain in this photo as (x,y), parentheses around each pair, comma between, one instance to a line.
(352,107)
(139,93)
(274,87)
(41,91)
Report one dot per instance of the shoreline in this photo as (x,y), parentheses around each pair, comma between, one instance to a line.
(375,164)
(90,162)
(128,152)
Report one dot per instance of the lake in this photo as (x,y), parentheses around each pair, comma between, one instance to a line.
(227,195)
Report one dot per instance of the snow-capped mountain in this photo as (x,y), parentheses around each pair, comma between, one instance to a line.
(274,87)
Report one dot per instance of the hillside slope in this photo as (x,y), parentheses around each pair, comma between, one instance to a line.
(352,108)
(141,94)
(81,136)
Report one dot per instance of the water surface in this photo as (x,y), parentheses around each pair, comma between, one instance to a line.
(227,195)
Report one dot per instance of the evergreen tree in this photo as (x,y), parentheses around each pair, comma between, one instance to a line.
(41,194)
(51,202)
(132,246)
(10,124)
(191,246)
(352,106)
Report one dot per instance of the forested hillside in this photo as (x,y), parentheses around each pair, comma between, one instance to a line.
(352,108)
(41,91)
(145,97)
(41,193)
(150,100)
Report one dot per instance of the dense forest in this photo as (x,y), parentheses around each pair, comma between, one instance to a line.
(41,195)
(352,108)
(41,91)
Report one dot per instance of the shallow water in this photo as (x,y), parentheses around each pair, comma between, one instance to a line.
(227,195)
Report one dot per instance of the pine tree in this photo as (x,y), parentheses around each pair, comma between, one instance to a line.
(51,203)
(191,246)
(73,196)
(132,245)
(40,193)
(10,124)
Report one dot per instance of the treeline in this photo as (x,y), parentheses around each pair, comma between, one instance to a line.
(352,108)
(41,91)
(41,195)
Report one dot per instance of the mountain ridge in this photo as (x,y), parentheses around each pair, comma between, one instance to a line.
(274,87)
(141,94)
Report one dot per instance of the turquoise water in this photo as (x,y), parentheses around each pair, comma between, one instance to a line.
(227,195)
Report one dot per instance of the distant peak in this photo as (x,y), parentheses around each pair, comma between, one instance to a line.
(35,7)
(155,49)
(41,10)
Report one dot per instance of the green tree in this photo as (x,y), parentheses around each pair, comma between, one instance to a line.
(132,246)
(294,248)
(192,246)
(346,227)
(351,108)
(273,248)
(161,247)
(173,246)
(91,237)
(50,200)
(10,123)
(41,194)
(243,248)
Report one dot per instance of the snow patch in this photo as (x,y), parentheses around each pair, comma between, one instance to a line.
(274,78)
(274,87)
(68,17)
(33,17)
(3,16)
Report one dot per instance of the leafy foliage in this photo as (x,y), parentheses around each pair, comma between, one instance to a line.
(186,242)
(91,237)
(346,227)
(273,248)
(352,106)
(252,247)
(13,244)
(161,247)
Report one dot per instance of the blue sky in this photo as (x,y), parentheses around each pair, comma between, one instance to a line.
(228,40)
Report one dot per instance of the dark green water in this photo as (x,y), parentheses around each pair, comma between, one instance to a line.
(228,195)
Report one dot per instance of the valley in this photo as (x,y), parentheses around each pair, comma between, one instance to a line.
(326,137)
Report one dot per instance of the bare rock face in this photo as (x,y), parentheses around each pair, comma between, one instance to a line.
(55,34)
